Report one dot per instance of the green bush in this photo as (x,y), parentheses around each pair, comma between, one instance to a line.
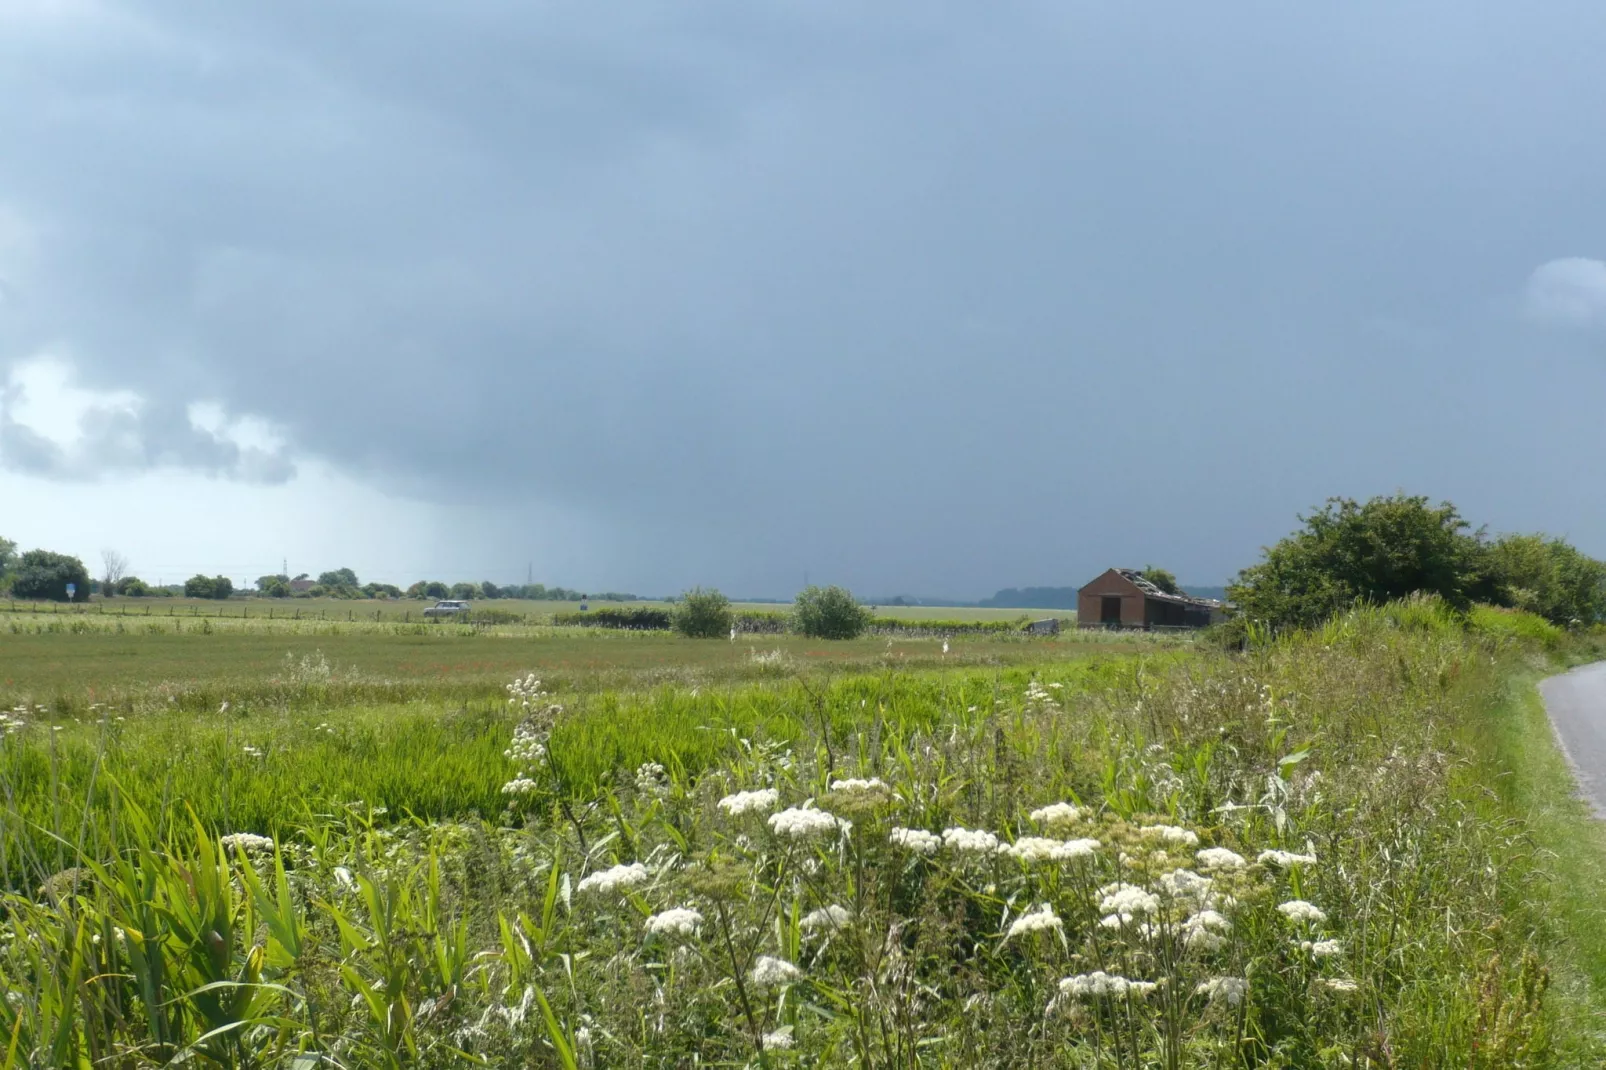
(42,574)
(638,618)
(702,614)
(199,586)
(829,613)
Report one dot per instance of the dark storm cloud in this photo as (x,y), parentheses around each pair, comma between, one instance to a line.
(933,297)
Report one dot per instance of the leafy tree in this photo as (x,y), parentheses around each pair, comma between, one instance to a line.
(1161,578)
(1349,553)
(8,556)
(465,591)
(829,613)
(702,614)
(133,587)
(429,589)
(491,590)
(199,586)
(340,577)
(265,582)
(381,590)
(43,574)
(1547,576)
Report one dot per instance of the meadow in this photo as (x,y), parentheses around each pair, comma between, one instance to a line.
(365,846)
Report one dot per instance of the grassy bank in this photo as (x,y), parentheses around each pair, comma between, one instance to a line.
(1336,850)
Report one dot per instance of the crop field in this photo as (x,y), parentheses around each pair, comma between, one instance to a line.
(251,843)
(341,609)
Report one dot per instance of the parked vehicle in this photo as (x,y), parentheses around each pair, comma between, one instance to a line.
(450,608)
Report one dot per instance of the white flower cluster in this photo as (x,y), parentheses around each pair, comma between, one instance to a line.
(652,779)
(615,879)
(1170,834)
(969,841)
(1321,949)
(1127,899)
(1297,910)
(519,786)
(1187,886)
(1339,984)
(1220,858)
(1284,859)
(1043,919)
(1098,983)
(250,841)
(1039,699)
(771,972)
(525,693)
(1228,990)
(1205,931)
(528,746)
(801,823)
(917,840)
(1060,813)
(855,786)
(781,1039)
(1040,849)
(676,921)
(745,802)
(831,917)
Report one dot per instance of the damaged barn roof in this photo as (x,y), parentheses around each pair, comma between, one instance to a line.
(1150,590)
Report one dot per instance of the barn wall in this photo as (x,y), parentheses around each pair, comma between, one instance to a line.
(1090,600)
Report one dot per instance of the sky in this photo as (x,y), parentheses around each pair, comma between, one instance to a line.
(929,298)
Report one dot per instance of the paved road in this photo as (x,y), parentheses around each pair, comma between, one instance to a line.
(1576,702)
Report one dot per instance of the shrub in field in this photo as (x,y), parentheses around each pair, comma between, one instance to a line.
(702,614)
(634,618)
(43,574)
(198,586)
(829,613)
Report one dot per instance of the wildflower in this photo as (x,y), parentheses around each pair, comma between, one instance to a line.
(1039,849)
(1060,813)
(1284,859)
(651,779)
(1228,990)
(969,841)
(676,921)
(781,1039)
(344,878)
(1299,910)
(615,878)
(1185,884)
(1339,984)
(1322,949)
(854,786)
(801,823)
(250,751)
(1203,931)
(1220,858)
(248,841)
(1170,834)
(770,972)
(831,917)
(1127,899)
(1098,983)
(917,840)
(743,802)
(519,786)
(1040,920)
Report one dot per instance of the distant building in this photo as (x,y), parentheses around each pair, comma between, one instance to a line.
(1123,598)
(301,586)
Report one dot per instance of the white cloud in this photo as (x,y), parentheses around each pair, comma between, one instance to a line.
(1570,291)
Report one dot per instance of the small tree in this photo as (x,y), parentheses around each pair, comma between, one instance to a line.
(133,587)
(340,577)
(829,613)
(1161,578)
(42,574)
(702,614)
(8,556)
(114,566)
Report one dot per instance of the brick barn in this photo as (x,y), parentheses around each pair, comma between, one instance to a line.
(1122,598)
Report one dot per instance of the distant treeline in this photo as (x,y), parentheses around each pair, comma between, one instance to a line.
(761,622)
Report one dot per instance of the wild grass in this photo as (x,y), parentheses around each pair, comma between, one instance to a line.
(1296,857)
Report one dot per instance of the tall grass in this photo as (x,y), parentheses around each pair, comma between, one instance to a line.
(1288,858)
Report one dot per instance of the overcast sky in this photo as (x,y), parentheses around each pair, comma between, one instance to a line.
(917,297)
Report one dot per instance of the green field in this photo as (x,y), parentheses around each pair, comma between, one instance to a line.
(1288,858)
(334,609)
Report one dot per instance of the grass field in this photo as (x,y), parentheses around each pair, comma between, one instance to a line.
(1343,849)
(340,609)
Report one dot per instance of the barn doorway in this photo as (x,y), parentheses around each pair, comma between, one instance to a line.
(1110,609)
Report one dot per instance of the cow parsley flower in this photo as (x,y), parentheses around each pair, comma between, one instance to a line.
(1228,990)
(1060,813)
(344,879)
(1041,849)
(1284,859)
(800,824)
(1203,931)
(1098,983)
(1127,899)
(1339,984)
(676,921)
(780,1040)
(745,802)
(652,779)
(855,786)
(1298,910)
(771,972)
(969,841)
(1187,886)
(250,841)
(917,840)
(1220,858)
(831,917)
(1043,919)
(615,879)
(1322,949)
(519,786)
(1170,834)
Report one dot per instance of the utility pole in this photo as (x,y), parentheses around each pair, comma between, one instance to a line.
(529,574)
